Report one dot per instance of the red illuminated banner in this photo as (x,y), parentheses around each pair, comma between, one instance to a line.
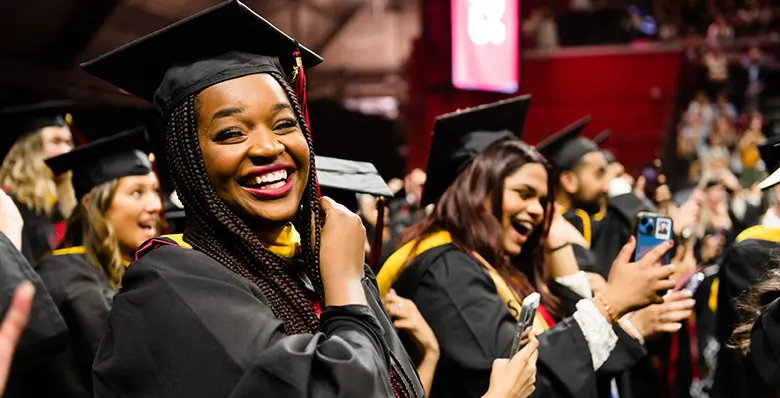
(485,45)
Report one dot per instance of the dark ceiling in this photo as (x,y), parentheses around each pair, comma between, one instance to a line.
(43,41)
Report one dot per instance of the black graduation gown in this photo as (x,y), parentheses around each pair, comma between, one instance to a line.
(473,326)
(39,236)
(764,353)
(45,334)
(185,326)
(606,234)
(82,295)
(627,352)
(744,264)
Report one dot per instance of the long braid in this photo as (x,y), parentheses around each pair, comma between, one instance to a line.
(215,230)
(398,378)
(218,232)
(312,205)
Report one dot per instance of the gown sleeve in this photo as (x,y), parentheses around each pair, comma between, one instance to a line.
(83,297)
(45,334)
(743,265)
(185,326)
(473,327)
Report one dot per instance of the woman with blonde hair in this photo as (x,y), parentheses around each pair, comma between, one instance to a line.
(43,199)
(119,208)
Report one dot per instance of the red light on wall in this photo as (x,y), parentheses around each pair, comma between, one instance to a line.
(485,45)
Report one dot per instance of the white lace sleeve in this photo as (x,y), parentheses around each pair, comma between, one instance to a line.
(578,283)
(598,332)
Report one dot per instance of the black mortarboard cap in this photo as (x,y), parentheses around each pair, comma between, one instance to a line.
(460,136)
(221,43)
(770,154)
(565,148)
(342,180)
(19,120)
(602,137)
(599,140)
(104,160)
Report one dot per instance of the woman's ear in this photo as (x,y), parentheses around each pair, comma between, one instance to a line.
(85,201)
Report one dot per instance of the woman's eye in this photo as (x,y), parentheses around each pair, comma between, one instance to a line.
(525,195)
(138,193)
(228,134)
(286,125)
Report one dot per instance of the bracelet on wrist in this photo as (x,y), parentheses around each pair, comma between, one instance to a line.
(610,312)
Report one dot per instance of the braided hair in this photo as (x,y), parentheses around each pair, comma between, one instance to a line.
(217,231)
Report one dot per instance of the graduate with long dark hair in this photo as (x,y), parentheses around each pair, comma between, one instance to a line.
(492,239)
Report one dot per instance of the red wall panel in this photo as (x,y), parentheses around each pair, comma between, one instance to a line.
(628,90)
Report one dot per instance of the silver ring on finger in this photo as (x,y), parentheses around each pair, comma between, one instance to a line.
(400,305)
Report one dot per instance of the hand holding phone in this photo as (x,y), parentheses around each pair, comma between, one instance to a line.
(693,283)
(525,322)
(651,230)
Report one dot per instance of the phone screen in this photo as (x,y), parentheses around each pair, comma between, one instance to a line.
(652,230)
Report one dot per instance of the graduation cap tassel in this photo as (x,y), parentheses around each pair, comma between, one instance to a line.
(80,140)
(376,249)
(299,85)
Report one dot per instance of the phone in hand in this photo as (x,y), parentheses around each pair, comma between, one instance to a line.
(525,322)
(694,282)
(651,230)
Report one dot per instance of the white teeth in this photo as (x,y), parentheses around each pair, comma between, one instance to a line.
(273,177)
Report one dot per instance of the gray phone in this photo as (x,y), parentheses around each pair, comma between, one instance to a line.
(526,321)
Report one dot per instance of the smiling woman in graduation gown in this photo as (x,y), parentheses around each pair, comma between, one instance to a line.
(265,294)
(447,266)
(118,210)
(43,199)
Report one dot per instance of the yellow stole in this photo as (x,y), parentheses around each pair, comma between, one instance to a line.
(76,250)
(398,261)
(68,250)
(755,232)
(287,244)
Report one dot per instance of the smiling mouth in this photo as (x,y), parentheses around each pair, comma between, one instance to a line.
(149,227)
(524,228)
(272,180)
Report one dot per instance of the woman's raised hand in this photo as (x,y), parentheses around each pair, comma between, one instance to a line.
(635,285)
(342,252)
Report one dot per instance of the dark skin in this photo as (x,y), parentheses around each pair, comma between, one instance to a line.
(248,123)
(245,124)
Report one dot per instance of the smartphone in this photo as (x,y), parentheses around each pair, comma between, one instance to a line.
(651,230)
(527,314)
(694,282)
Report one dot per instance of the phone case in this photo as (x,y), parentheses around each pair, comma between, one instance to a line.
(527,313)
(651,230)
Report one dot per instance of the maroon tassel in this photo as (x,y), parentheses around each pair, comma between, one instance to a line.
(299,86)
(376,249)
